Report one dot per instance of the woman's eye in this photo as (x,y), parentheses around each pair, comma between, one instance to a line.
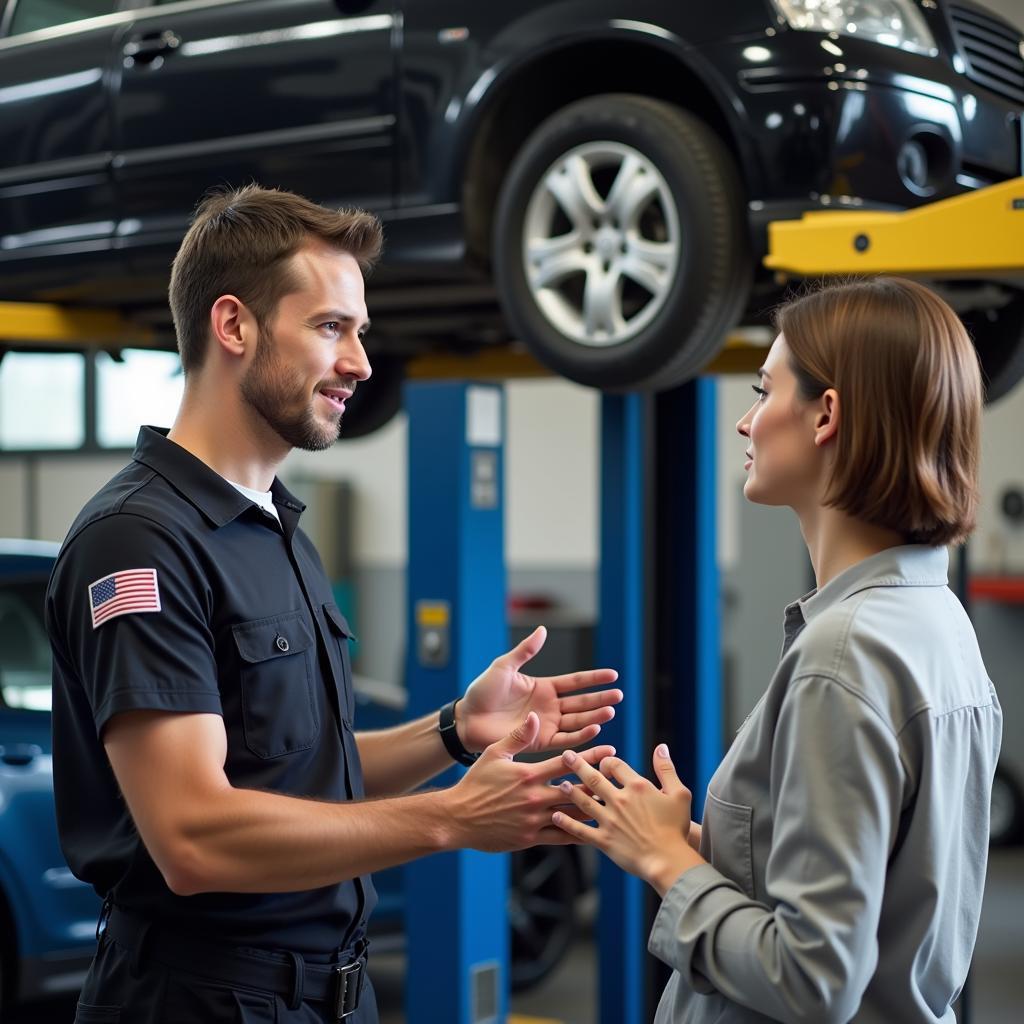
(760,392)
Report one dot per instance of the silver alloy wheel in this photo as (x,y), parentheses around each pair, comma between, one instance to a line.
(602,281)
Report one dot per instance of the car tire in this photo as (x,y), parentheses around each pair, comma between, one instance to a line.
(542,912)
(376,401)
(999,339)
(621,249)
(1006,825)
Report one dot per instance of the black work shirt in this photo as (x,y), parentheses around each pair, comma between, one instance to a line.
(240,622)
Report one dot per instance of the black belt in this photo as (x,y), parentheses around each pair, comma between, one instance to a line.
(285,974)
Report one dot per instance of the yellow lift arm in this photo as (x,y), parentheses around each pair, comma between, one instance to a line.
(976,234)
(41,323)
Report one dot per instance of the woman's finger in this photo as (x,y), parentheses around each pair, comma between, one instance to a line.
(580,832)
(617,769)
(590,777)
(574,812)
(556,766)
(580,796)
(664,769)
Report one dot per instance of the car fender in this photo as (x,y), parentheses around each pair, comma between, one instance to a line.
(566,28)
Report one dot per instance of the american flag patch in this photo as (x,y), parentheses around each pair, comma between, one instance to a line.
(133,590)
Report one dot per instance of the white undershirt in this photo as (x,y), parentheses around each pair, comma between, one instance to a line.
(262,498)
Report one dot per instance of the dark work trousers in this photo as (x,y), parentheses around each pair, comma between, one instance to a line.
(123,989)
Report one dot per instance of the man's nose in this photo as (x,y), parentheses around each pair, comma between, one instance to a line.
(352,361)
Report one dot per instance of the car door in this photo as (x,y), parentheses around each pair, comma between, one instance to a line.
(56,192)
(296,94)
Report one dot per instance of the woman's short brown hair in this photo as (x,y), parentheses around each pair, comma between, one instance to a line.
(911,394)
(239,244)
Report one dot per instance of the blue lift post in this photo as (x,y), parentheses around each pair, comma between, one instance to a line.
(659,625)
(456,903)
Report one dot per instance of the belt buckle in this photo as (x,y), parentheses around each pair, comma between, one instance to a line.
(347,984)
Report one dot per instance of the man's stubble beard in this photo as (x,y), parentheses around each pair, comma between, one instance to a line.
(272,389)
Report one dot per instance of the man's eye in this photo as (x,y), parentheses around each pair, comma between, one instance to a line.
(331,325)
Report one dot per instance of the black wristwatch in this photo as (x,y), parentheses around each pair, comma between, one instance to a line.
(450,735)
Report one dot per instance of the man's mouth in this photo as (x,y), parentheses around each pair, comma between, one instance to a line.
(336,397)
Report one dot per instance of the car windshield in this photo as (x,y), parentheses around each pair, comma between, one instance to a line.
(24,648)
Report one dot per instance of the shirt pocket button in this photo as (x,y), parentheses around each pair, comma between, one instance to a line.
(281,643)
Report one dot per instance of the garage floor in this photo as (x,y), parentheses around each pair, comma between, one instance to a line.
(569,995)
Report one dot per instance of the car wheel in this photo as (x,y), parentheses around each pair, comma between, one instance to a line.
(375,401)
(999,338)
(542,912)
(620,248)
(1006,825)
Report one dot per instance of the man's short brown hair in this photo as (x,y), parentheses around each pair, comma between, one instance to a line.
(910,394)
(240,243)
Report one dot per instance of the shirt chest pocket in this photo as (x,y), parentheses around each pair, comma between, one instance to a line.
(276,678)
(727,831)
(339,629)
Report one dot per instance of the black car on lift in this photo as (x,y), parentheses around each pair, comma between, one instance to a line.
(590,177)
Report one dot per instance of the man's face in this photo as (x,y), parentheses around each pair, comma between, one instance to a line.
(310,356)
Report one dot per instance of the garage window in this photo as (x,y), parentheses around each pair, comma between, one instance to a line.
(42,401)
(139,387)
(30,15)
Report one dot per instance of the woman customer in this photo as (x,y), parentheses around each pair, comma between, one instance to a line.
(838,872)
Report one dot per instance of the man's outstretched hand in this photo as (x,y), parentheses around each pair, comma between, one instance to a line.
(502,696)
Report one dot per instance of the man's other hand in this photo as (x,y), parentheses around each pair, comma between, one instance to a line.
(501,697)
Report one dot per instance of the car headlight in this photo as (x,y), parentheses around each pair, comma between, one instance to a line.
(889,22)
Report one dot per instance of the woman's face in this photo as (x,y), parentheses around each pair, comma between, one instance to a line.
(783,464)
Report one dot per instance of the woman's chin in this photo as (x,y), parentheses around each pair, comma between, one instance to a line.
(759,494)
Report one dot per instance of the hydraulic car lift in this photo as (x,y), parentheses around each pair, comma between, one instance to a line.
(659,585)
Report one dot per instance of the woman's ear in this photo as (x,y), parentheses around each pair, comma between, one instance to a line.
(826,418)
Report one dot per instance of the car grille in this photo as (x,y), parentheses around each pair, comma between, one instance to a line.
(991,50)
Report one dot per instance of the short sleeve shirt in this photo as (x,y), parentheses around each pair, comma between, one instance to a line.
(175,592)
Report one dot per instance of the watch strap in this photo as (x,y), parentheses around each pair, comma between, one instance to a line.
(450,735)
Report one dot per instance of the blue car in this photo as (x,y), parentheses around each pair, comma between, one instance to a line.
(48,917)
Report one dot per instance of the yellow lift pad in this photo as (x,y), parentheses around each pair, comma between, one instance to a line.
(978,233)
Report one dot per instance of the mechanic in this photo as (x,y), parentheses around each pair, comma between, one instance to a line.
(208,780)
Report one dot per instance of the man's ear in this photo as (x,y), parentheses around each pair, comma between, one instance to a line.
(826,417)
(232,326)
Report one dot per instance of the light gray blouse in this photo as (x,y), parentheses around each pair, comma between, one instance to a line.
(846,829)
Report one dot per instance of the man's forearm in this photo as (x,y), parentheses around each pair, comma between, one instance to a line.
(398,760)
(249,841)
